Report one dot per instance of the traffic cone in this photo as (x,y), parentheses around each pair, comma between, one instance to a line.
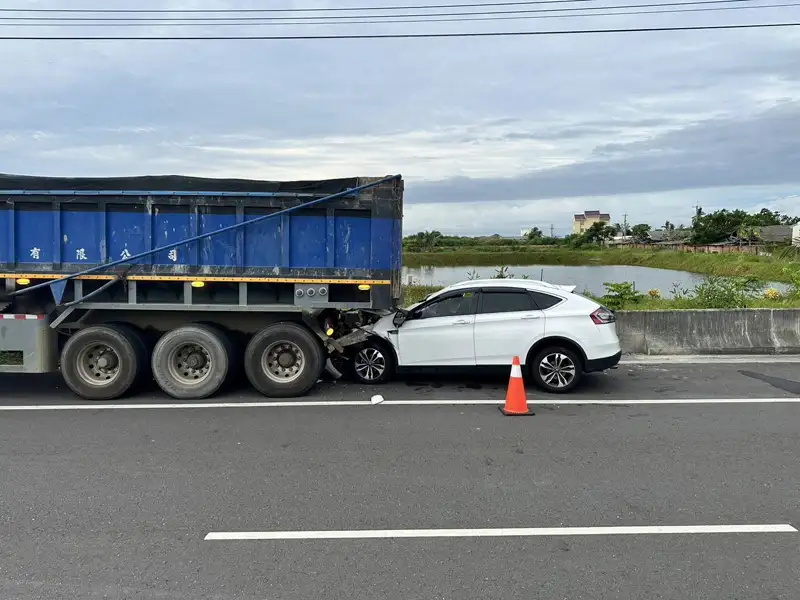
(516,403)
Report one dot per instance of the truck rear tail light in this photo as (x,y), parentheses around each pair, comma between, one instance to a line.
(603,316)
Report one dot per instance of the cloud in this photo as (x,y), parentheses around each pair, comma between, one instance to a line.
(509,218)
(723,152)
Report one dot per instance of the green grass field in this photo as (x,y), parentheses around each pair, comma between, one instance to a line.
(766,268)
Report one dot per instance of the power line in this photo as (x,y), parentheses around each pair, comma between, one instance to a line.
(366,36)
(368,22)
(406,15)
(282,10)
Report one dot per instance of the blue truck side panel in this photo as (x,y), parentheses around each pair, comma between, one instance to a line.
(50,235)
(126,234)
(262,241)
(309,231)
(353,251)
(7,242)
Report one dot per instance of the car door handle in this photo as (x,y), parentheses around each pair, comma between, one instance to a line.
(533,316)
(461,322)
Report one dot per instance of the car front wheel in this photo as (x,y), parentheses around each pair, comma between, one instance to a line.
(373,364)
(556,370)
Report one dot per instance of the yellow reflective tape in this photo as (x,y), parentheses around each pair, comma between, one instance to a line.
(208,279)
(256,279)
(51,276)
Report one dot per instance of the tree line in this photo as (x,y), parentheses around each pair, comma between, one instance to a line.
(706,228)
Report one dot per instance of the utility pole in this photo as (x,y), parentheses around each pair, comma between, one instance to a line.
(625,224)
(551,230)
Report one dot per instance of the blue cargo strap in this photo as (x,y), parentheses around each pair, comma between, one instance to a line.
(58,284)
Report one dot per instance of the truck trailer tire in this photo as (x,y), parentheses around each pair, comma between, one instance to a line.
(192,362)
(284,360)
(143,347)
(103,362)
(235,343)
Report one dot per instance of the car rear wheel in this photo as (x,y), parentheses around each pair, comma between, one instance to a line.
(556,370)
(373,363)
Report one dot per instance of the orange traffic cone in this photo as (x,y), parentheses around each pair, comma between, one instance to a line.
(516,403)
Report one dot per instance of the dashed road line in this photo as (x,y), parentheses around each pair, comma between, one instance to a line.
(500,532)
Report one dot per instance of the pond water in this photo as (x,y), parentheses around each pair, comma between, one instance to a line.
(586,278)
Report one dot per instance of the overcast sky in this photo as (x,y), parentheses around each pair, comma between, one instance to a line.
(491,134)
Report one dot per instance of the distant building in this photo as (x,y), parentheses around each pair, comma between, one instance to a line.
(774,234)
(796,235)
(584,221)
(673,236)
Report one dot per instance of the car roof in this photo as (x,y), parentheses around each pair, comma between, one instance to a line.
(561,291)
(528,284)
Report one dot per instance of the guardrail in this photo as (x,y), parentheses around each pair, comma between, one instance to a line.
(744,331)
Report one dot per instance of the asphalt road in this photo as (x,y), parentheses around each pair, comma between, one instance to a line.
(116,503)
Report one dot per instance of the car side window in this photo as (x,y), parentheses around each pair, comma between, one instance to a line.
(544,301)
(450,306)
(505,301)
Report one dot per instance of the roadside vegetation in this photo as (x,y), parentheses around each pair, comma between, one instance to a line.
(432,248)
(713,292)
(721,293)
(765,268)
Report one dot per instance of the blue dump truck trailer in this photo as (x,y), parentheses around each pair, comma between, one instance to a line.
(193,282)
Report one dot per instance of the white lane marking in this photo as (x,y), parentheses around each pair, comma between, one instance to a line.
(363,403)
(709,359)
(501,532)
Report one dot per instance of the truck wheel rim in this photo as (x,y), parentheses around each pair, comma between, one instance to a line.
(189,364)
(283,362)
(370,364)
(557,370)
(98,365)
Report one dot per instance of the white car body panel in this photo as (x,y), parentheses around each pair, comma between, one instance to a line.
(501,336)
(495,338)
(442,341)
(569,321)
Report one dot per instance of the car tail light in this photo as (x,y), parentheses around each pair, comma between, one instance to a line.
(603,316)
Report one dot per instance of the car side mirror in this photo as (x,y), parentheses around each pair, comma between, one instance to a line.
(399,318)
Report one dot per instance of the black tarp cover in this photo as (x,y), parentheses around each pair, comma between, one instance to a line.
(174,183)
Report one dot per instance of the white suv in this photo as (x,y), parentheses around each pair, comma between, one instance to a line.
(557,334)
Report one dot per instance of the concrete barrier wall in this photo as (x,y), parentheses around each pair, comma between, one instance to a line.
(746,331)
